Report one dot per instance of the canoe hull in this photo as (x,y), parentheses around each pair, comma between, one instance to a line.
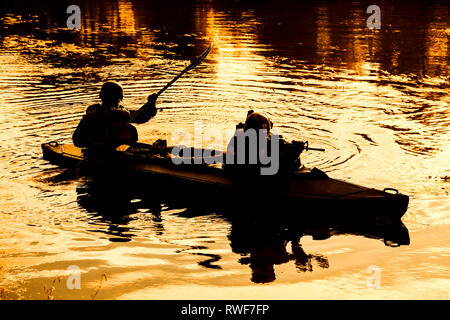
(312,193)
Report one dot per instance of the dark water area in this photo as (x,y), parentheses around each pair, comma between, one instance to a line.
(375,99)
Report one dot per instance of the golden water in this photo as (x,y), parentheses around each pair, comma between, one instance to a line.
(376,100)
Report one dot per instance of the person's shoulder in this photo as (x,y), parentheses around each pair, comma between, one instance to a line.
(92,110)
(121,107)
(124,110)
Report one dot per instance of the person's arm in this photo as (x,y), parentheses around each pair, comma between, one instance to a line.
(79,137)
(148,110)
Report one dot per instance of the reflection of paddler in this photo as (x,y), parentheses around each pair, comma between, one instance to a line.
(263,260)
(105,126)
(263,245)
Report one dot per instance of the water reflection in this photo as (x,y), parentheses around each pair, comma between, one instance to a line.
(259,235)
(264,246)
(329,33)
(111,204)
(265,243)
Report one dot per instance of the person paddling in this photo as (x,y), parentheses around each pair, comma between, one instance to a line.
(106,126)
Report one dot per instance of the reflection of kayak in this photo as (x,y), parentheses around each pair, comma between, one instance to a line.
(313,188)
(263,246)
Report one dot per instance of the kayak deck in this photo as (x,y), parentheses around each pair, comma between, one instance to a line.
(312,188)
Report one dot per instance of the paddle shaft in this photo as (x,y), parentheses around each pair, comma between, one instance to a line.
(173,80)
(189,67)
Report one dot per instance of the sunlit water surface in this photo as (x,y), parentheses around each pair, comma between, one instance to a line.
(376,100)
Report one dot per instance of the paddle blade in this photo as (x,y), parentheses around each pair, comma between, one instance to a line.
(200,58)
(189,67)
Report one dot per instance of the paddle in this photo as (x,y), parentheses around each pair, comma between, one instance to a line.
(189,67)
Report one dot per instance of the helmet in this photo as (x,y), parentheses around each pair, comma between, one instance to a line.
(256,121)
(111,90)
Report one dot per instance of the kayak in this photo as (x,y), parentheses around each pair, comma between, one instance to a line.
(312,190)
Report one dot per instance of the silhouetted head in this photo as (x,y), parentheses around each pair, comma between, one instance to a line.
(257,121)
(111,93)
